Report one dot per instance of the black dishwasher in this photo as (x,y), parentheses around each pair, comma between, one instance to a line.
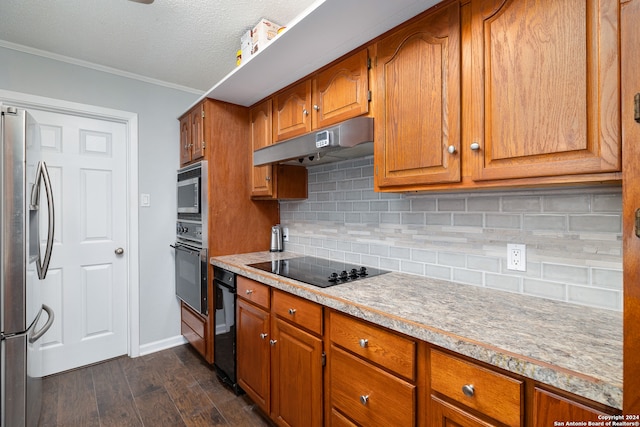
(224,342)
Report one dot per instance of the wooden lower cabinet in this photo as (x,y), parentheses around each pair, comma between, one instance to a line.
(492,394)
(374,376)
(371,373)
(550,407)
(193,326)
(296,376)
(280,354)
(368,394)
(445,414)
(253,353)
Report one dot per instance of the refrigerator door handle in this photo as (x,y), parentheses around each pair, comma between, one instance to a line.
(42,174)
(35,336)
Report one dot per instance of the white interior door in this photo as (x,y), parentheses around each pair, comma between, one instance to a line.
(87,281)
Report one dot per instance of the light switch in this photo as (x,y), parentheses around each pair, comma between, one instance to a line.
(145,200)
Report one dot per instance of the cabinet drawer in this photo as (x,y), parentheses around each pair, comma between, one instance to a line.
(253,291)
(339,420)
(378,345)
(192,327)
(304,313)
(194,321)
(491,393)
(369,395)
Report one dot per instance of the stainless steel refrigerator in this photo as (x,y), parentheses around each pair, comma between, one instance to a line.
(24,261)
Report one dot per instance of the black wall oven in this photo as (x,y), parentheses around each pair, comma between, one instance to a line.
(191,246)
(191,276)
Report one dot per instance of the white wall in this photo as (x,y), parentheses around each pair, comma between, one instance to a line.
(158,108)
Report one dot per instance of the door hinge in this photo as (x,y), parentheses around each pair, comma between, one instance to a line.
(637,227)
(203,114)
(636,107)
(369,96)
(324,359)
(204,145)
(368,63)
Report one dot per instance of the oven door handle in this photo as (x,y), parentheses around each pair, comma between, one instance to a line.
(187,249)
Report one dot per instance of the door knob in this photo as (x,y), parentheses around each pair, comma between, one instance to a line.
(119,251)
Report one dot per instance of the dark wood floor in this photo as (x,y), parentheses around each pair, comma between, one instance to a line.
(174,387)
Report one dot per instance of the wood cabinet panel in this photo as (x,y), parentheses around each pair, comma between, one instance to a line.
(197,132)
(341,91)
(272,181)
(339,420)
(382,347)
(417,102)
(253,358)
(193,327)
(330,96)
(291,111)
(546,78)
(496,395)
(550,407)
(185,139)
(253,291)
(368,394)
(445,414)
(192,143)
(296,386)
(260,124)
(630,40)
(297,310)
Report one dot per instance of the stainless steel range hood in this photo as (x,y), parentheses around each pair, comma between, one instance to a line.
(347,140)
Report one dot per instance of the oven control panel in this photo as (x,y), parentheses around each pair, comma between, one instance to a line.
(189,230)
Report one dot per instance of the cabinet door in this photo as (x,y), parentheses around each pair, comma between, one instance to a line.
(550,407)
(545,88)
(444,414)
(253,352)
(417,102)
(261,133)
(341,91)
(197,133)
(296,376)
(291,112)
(185,139)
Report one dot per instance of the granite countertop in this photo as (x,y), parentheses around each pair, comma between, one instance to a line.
(574,348)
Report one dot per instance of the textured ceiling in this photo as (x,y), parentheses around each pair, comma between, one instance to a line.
(186,43)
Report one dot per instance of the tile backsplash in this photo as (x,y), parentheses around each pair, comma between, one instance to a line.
(573,236)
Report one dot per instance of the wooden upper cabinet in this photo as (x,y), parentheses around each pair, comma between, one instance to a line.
(197,133)
(260,130)
(417,102)
(291,111)
(192,144)
(185,139)
(545,88)
(341,91)
(335,94)
(272,181)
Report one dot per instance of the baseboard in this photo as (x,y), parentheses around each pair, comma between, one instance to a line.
(162,345)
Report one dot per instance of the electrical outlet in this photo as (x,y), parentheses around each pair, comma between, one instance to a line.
(285,234)
(516,257)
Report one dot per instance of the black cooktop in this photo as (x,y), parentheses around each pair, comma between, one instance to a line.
(318,271)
